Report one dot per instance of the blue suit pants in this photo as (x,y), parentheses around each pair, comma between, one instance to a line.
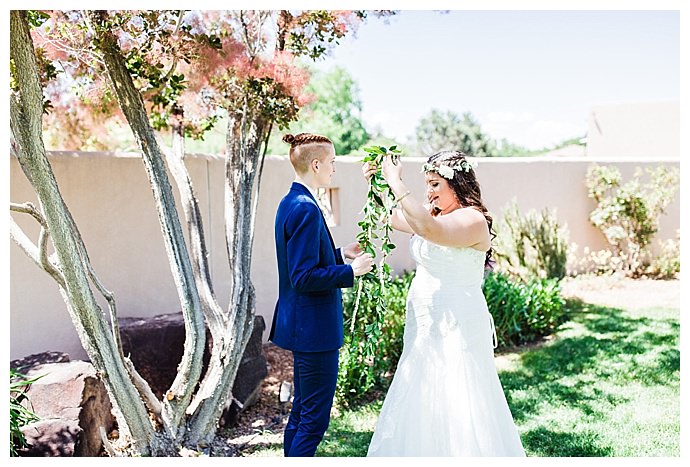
(315,377)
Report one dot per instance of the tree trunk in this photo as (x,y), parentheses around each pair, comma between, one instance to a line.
(245,134)
(190,205)
(87,316)
(132,105)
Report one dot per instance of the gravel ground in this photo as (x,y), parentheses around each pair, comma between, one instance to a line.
(623,292)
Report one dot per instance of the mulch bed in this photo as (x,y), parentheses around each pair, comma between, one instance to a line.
(262,423)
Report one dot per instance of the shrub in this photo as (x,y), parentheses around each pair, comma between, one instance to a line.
(628,213)
(19,414)
(598,262)
(666,265)
(533,245)
(523,311)
(359,376)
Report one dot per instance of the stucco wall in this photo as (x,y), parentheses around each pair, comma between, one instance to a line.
(110,199)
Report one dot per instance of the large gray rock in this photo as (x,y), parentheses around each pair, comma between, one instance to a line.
(72,404)
(155,346)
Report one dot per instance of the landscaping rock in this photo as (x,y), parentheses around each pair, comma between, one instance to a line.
(38,359)
(155,346)
(72,404)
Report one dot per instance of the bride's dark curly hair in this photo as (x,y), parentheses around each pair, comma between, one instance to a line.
(466,187)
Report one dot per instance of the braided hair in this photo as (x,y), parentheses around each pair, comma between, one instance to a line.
(300,153)
(304,138)
(466,187)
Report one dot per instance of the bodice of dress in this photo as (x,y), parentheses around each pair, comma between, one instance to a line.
(445,296)
(445,266)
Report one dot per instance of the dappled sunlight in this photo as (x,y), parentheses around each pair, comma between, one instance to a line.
(603,361)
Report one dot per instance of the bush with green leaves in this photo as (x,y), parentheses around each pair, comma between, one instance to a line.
(628,213)
(666,264)
(523,311)
(19,415)
(360,373)
(533,245)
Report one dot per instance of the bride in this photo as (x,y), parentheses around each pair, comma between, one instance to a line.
(445,398)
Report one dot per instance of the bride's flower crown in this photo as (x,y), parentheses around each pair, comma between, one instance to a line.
(448,171)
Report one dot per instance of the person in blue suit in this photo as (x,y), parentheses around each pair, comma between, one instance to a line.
(308,317)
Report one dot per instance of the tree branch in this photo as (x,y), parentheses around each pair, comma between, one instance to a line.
(146,393)
(33,252)
(37,253)
(195,227)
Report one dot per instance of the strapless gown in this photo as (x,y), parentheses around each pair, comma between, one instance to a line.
(445,398)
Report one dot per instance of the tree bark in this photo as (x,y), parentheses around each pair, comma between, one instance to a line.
(190,205)
(245,134)
(132,106)
(26,125)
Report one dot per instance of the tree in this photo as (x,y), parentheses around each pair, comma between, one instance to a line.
(334,112)
(69,265)
(167,71)
(440,131)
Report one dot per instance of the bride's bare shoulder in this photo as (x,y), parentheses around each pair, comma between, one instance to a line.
(469,214)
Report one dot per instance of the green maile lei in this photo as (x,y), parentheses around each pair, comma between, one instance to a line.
(374,239)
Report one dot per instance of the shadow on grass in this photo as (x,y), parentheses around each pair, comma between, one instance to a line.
(547,443)
(601,349)
(580,370)
(345,443)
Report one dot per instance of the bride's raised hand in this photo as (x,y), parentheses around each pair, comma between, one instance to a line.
(391,169)
(368,170)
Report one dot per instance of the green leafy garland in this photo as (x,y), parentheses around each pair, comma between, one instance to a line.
(375,235)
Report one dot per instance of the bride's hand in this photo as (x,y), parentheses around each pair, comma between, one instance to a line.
(391,171)
(368,170)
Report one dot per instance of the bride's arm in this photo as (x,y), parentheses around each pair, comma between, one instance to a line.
(463,227)
(399,222)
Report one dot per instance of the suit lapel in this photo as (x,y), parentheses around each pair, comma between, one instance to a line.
(325,225)
(303,189)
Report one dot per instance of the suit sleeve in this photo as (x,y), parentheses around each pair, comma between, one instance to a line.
(307,274)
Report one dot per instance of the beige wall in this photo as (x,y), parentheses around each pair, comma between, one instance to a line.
(110,199)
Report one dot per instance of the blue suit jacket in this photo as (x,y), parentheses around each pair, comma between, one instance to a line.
(308,316)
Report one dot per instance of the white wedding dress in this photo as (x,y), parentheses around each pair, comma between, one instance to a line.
(445,398)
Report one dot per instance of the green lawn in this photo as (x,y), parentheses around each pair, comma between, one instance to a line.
(607,384)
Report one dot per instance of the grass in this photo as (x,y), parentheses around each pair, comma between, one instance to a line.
(349,434)
(606,385)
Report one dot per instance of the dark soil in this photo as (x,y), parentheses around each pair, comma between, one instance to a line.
(262,423)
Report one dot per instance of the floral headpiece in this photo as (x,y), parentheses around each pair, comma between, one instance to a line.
(448,171)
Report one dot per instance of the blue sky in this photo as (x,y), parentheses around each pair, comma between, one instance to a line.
(528,76)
